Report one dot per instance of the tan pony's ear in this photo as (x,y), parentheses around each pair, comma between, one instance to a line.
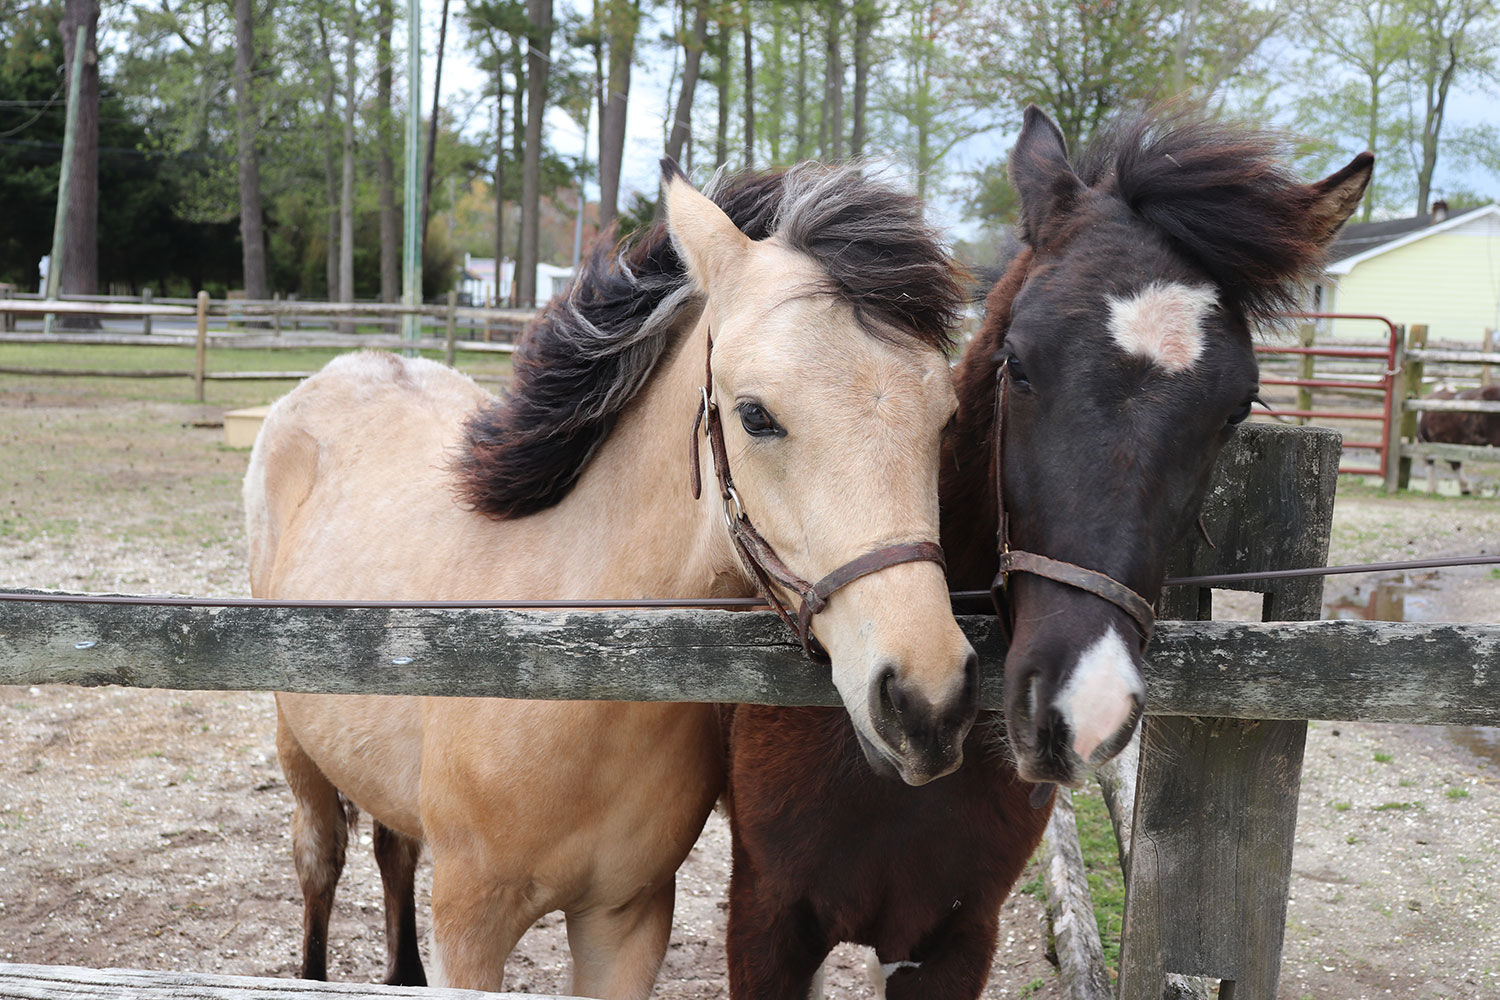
(709,243)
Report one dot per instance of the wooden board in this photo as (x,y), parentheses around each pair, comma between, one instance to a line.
(1372,671)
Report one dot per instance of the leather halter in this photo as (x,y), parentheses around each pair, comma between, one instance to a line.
(1016,561)
(758,553)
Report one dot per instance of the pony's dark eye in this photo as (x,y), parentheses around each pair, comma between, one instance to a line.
(1241,413)
(757,422)
(1017,372)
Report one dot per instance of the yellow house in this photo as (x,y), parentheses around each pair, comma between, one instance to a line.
(1439,269)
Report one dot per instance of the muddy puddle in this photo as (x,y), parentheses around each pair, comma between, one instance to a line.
(1409,597)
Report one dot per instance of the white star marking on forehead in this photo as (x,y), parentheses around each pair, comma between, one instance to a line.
(1162,322)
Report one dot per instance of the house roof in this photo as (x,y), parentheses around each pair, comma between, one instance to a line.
(1364,240)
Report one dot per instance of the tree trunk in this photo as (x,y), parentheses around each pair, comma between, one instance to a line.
(538,59)
(346,199)
(79,274)
(865,14)
(252,230)
(621,19)
(749,89)
(721,135)
(517,145)
(330,172)
(801,133)
(385,163)
(432,125)
(833,91)
(692,59)
(499,176)
(777,81)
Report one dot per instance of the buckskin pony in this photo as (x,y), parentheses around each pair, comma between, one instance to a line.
(1115,357)
(822,303)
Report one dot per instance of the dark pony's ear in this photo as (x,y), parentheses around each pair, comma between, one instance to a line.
(1335,198)
(1039,171)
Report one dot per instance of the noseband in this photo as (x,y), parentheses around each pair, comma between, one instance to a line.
(1016,561)
(758,553)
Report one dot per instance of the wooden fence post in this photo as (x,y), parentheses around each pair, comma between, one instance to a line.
(1306,334)
(275,314)
(296,320)
(7,319)
(452,327)
(146,304)
(1488,347)
(200,351)
(1400,379)
(1216,800)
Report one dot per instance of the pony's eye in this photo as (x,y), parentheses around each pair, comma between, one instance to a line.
(757,422)
(1017,372)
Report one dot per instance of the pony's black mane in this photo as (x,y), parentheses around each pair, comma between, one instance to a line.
(1222,193)
(594,346)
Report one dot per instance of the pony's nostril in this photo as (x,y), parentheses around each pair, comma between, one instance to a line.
(893,701)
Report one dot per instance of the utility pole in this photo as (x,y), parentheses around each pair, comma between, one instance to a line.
(64,180)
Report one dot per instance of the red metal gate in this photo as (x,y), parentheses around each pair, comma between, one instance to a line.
(1386,356)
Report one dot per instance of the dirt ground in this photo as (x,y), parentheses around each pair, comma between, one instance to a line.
(150,829)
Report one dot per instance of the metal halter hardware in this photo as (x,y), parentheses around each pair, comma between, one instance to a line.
(768,567)
(1016,561)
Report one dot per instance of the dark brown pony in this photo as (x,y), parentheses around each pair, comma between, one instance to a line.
(1123,330)
(1459,428)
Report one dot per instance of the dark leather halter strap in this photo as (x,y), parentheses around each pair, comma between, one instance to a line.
(768,567)
(1015,561)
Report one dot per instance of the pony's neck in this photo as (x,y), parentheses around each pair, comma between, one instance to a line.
(967,481)
(640,532)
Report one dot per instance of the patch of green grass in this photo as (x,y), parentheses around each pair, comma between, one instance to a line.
(1457,793)
(1101,862)
(1381,757)
(1031,988)
(1393,806)
(1405,783)
(1341,806)
(1351,839)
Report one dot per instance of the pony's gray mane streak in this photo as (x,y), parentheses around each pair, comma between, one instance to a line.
(593,348)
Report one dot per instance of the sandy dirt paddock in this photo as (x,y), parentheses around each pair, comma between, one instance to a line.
(150,829)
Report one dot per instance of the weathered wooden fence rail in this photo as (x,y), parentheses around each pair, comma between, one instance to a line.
(1372,671)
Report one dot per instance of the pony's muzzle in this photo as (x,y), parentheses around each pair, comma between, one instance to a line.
(922,741)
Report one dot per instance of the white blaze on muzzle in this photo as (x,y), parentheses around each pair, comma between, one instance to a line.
(1101,694)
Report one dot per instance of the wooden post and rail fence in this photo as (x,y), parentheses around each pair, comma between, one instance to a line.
(1228,704)
(500,327)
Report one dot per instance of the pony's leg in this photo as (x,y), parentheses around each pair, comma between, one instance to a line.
(475,924)
(1463,483)
(1431,476)
(953,967)
(773,953)
(617,951)
(397,857)
(320,834)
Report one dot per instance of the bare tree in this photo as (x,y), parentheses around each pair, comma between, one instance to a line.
(346,199)
(866,12)
(621,23)
(692,59)
(80,263)
(749,95)
(832,131)
(538,58)
(252,229)
(1449,38)
(721,69)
